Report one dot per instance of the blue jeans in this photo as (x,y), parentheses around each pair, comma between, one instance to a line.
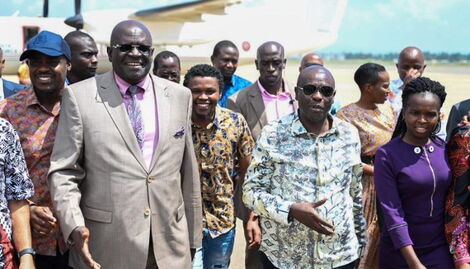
(215,252)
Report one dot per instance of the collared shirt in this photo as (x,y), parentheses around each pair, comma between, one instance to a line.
(395,95)
(217,148)
(290,165)
(36,127)
(14,185)
(148,107)
(234,85)
(276,106)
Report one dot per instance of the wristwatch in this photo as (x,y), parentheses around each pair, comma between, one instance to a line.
(26,251)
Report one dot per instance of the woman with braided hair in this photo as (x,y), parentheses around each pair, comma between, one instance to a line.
(412,176)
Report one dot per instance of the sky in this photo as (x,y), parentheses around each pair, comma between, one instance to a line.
(375,26)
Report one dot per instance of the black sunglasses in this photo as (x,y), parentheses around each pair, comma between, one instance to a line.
(326,91)
(129,47)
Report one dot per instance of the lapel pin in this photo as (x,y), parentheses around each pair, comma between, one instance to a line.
(179,133)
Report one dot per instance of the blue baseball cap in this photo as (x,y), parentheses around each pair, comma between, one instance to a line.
(47,43)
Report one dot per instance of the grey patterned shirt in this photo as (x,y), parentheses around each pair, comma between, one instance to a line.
(291,165)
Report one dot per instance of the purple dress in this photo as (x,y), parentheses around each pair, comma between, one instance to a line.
(412,183)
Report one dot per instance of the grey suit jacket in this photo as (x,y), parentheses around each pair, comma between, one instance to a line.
(98,177)
(249,102)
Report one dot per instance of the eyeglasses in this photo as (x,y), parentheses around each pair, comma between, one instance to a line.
(129,47)
(326,91)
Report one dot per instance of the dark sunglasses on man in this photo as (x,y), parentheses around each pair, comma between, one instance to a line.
(129,47)
(326,91)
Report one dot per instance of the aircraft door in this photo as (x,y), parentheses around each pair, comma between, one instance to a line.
(28,33)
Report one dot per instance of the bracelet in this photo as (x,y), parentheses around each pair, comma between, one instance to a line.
(26,251)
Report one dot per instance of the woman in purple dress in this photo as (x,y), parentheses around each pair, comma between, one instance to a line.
(412,176)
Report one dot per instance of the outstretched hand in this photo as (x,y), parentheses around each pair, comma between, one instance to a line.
(306,214)
(80,237)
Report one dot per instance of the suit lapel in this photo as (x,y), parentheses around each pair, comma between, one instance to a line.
(256,101)
(163,102)
(291,90)
(112,100)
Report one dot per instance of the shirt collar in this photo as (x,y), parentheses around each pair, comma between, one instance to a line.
(297,128)
(264,92)
(124,85)
(31,100)
(231,82)
(215,122)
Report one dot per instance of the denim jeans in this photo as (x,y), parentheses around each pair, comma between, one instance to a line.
(215,252)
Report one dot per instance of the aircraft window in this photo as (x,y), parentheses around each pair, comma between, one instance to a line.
(28,33)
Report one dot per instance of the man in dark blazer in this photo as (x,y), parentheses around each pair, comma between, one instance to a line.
(8,88)
(269,98)
(455,116)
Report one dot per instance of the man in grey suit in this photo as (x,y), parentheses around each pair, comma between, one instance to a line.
(269,98)
(123,176)
(7,88)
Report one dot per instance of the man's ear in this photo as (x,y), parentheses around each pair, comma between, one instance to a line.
(296,90)
(424,67)
(212,59)
(69,66)
(109,50)
(284,63)
(256,64)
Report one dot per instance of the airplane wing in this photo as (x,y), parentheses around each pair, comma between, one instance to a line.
(185,12)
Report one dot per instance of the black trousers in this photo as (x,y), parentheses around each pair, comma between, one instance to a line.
(268,265)
(52,262)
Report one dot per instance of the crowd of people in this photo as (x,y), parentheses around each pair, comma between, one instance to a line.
(129,169)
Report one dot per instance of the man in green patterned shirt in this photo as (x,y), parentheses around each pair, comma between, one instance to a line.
(305,183)
(223,146)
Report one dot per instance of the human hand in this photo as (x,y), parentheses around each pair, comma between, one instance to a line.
(42,219)
(27,262)
(418,266)
(306,214)
(410,75)
(463,266)
(465,120)
(253,232)
(80,237)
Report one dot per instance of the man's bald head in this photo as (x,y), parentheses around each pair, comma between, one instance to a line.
(410,64)
(310,59)
(130,27)
(315,94)
(268,48)
(270,62)
(84,56)
(411,53)
(131,51)
(317,74)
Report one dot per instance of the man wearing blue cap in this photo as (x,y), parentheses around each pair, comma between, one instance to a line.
(34,113)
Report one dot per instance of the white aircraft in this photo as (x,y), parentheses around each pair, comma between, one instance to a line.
(191,29)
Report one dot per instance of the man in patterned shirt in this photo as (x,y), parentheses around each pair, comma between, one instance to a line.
(221,140)
(305,183)
(34,113)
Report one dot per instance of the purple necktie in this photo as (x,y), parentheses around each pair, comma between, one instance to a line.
(135,114)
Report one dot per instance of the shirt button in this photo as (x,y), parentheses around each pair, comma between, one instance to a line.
(149,179)
(147,212)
